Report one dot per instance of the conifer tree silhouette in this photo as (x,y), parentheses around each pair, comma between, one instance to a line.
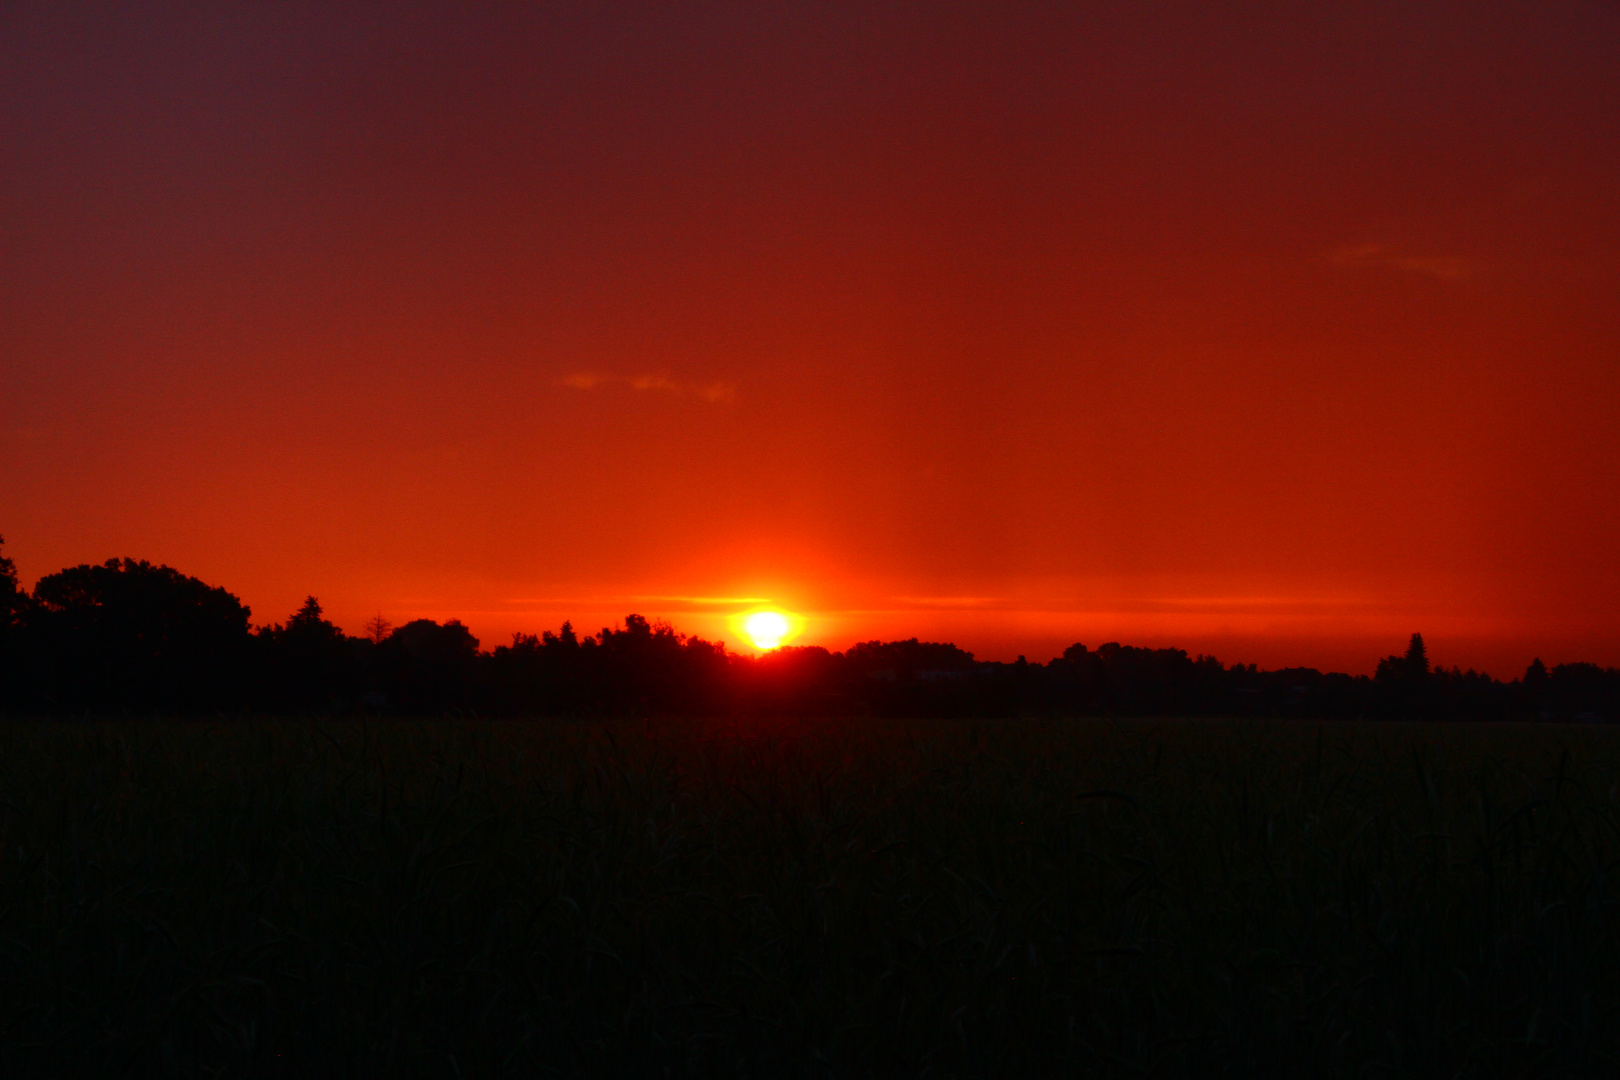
(1417,660)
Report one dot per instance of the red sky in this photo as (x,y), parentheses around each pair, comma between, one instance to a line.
(1273,330)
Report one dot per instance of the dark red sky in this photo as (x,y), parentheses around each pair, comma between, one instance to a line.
(1276,330)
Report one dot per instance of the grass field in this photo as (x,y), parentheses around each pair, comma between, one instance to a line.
(844,898)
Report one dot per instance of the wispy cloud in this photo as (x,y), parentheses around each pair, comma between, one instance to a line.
(1442,267)
(705,601)
(715,392)
(949,602)
(590,600)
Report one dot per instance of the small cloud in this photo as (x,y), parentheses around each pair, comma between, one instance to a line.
(947,601)
(706,601)
(583,381)
(1357,255)
(655,382)
(719,391)
(1443,267)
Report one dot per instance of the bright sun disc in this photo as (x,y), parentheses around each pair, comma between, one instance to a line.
(766,629)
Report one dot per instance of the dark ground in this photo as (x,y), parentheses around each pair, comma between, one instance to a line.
(852,897)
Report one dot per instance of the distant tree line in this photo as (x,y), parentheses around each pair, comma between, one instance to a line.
(128,636)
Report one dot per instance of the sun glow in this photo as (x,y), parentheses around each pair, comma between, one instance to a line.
(767,629)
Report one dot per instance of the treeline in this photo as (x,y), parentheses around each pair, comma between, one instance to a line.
(128,636)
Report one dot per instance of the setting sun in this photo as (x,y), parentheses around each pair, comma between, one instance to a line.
(766,629)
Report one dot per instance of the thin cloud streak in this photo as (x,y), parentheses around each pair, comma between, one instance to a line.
(1441,267)
(714,600)
(948,602)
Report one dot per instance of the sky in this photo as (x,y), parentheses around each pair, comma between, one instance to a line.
(1276,331)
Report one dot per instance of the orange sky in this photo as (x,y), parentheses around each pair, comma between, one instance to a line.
(1268,329)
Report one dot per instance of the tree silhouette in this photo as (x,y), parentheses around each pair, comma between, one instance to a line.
(1405,680)
(309,660)
(1407,671)
(426,667)
(127,634)
(1417,658)
(11,605)
(10,592)
(378,628)
(1535,688)
(1583,691)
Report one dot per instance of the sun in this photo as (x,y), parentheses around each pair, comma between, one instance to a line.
(767,629)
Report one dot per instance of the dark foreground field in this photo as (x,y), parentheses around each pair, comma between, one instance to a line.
(849,898)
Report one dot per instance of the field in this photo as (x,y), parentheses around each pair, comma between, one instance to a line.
(801,899)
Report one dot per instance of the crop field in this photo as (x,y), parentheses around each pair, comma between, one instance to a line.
(844,898)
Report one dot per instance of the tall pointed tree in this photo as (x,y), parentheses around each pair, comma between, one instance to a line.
(1417,659)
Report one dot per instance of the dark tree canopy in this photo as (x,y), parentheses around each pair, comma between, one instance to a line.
(130,635)
(429,667)
(12,599)
(1405,680)
(308,663)
(900,660)
(10,592)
